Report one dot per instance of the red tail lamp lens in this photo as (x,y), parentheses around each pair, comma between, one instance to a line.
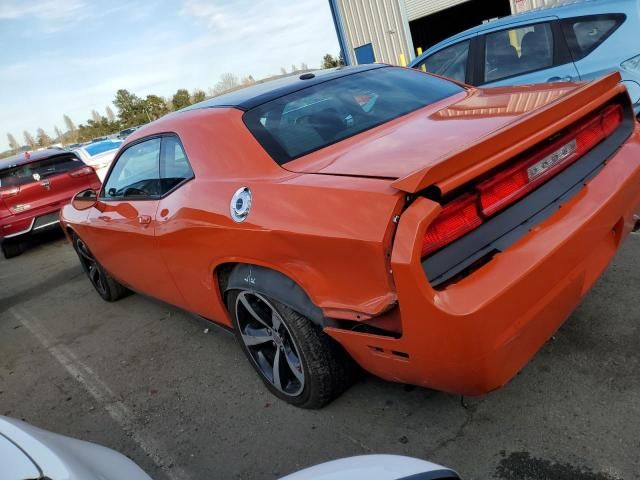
(508,186)
(456,219)
(467,212)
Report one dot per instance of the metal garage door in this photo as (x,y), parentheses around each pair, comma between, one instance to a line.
(421,8)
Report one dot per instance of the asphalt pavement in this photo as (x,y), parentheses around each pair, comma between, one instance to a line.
(144,378)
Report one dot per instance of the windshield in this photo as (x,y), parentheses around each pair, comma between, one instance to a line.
(101,147)
(318,116)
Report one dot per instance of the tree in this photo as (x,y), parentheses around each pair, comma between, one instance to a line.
(110,115)
(283,71)
(43,139)
(304,67)
(198,96)
(155,107)
(29,140)
(95,116)
(294,68)
(228,81)
(131,109)
(181,99)
(13,143)
(329,61)
(71,128)
(59,136)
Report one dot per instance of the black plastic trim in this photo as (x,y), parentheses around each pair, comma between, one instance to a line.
(276,285)
(501,231)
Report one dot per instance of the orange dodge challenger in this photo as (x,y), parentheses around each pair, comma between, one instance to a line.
(437,234)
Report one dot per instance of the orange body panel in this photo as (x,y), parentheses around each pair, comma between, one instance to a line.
(329,221)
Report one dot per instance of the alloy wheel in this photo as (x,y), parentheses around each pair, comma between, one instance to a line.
(94,272)
(269,343)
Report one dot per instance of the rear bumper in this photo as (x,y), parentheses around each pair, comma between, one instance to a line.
(12,227)
(475,335)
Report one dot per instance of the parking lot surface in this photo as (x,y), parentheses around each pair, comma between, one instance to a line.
(145,379)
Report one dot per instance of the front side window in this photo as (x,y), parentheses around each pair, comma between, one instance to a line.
(449,62)
(323,114)
(585,34)
(136,172)
(518,51)
(174,166)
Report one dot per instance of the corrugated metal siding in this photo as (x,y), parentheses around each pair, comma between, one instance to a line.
(422,8)
(518,6)
(379,22)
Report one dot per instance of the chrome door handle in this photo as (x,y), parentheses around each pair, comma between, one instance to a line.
(144,219)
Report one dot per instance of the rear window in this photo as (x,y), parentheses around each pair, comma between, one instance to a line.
(318,116)
(585,34)
(39,170)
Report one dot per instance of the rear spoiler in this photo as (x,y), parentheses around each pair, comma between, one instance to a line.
(470,161)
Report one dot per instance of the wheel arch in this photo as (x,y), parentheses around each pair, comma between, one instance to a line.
(270,282)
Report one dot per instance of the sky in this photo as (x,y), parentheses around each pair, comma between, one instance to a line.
(71,56)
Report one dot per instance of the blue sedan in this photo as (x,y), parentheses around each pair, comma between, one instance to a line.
(570,42)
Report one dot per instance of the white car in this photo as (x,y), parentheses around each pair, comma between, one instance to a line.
(99,155)
(375,467)
(27,452)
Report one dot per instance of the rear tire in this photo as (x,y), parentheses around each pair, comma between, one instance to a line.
(313,368)
(108,288)
(11,249)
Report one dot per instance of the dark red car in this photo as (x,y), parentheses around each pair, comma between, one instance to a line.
(33,188)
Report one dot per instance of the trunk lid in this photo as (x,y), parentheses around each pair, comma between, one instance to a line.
(458,132)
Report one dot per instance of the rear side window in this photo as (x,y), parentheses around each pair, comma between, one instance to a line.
(174,166)
(518,51)
(449,62)
(326,113)
(136,172)
(585,34)
(39,170)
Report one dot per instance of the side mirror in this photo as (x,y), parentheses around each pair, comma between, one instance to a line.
(85,199)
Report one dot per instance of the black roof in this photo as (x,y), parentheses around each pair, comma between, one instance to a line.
(250,97)
(23,158)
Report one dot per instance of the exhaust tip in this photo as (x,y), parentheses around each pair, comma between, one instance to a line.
(636,224)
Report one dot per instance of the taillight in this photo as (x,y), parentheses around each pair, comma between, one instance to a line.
(82,172)
(6,192)
(456,219)
(508,186)
(467,212)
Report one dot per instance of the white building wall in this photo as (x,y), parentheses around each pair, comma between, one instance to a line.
(380,22)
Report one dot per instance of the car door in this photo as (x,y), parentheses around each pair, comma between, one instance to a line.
(599,46)
(175,176)
(525,53)
(122,227)
(452,61)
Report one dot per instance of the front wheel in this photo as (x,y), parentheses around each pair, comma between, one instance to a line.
(108,288)
(295,359)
